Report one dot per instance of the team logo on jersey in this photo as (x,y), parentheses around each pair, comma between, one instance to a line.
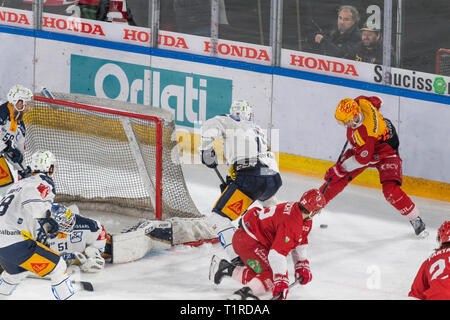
(76,236)
(43,190)
(254,265)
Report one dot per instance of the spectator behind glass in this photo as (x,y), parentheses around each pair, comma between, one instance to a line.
(371,47)
(105,10)
(343,39)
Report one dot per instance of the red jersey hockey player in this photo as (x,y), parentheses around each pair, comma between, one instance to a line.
(432,281)
(374,144)
(263,241)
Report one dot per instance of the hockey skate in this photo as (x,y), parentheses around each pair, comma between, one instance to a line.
(237,262)
(220,268)
(419,227)
(243,294)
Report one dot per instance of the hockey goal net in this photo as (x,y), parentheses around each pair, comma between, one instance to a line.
(443,62)
(116,157)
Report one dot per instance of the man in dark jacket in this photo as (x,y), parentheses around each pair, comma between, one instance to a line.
(344,38)
(371,48)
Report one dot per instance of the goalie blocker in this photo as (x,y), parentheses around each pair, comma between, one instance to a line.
(136,242)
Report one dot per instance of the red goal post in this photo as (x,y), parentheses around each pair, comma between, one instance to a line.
(118,158)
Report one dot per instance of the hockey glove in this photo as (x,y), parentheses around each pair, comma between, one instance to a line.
(302,271)
(49,228)
(281,286)
(335,173)
(209,158)
(12,153)
(27,172)
(91,261)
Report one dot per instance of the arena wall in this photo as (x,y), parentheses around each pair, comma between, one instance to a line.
(295,102)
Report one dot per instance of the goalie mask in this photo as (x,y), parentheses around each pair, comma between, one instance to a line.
(312,201)
(20,93)
(64,217)
(241,109)
(43,161)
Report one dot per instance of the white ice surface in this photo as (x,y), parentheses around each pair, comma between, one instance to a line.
(367,252)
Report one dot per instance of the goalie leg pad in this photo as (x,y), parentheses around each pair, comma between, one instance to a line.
(137,241)
(225,231)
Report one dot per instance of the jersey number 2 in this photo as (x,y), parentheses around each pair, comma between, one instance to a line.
(438,268)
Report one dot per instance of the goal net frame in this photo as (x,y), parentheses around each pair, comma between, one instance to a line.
(118,161)
(158,143)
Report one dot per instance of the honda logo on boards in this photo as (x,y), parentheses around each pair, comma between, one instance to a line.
(191,97)
(323,64)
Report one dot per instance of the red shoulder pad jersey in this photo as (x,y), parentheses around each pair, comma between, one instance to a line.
(432,281)
(279,227)
(369,138)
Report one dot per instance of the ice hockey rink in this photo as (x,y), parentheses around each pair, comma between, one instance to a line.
(367,252)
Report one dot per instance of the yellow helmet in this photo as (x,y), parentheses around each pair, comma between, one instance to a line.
(346,110)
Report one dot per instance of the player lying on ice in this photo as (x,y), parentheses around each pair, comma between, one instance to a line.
(83,241)
(263,240)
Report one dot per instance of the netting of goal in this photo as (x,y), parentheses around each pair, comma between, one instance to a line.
(443,62)
(116,157)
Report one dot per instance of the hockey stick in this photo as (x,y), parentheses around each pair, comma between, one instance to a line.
(290,286)
(338,159)
(85,285)
(219,175)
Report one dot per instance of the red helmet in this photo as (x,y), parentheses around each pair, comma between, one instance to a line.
(313,201)
(443,234)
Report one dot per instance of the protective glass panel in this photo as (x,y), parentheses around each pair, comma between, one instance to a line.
(245,21)
(426,26)
(186,16)
(120,11)
(417,31)
(351,31)
(17,4)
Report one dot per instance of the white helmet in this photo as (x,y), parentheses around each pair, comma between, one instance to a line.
(42,161)
(19,92)
(242,110)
